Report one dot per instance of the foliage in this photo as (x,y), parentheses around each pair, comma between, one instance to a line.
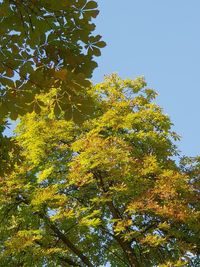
(43,45)
(8,150)
(106,190)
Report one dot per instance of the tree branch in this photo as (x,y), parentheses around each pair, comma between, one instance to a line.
(65,240)
(124,244)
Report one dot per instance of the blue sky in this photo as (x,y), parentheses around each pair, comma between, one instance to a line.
(160,40)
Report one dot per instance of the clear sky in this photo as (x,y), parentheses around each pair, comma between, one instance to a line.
(159,39)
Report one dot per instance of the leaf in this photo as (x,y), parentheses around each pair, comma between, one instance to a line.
(61,74)
(100,44)
(96,52)
(91,5)
(9,72)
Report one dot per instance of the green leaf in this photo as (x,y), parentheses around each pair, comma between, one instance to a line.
(91,5)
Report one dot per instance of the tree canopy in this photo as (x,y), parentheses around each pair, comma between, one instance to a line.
(92,175)
(105,191)
(43,45)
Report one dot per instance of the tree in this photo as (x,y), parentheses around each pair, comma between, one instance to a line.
(47,44)
(106,190)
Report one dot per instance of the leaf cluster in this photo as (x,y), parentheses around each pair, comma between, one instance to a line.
(46,44)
